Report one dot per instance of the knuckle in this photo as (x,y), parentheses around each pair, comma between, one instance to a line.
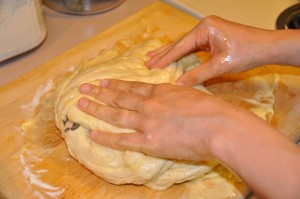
(148,126)
(113,84)
(120,98)
(96,110)
(191,78)
(95,91)
(93,110)
(212,19)
(121,142)
(162,88)
(141,88)
(135,88)
(141,105)
(150,106)
(122,118)
(118,115)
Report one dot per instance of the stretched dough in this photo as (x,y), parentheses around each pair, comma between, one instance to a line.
(120,167)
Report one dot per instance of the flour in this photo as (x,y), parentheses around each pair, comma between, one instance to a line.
(41,189)
(41,90)
(22,27)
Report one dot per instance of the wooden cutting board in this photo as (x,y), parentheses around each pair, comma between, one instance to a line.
(39,166)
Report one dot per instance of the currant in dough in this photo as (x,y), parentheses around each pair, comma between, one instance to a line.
(120,167)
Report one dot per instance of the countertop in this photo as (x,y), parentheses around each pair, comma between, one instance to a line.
(257,13)
(64,32)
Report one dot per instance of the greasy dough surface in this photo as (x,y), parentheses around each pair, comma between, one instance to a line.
(120,167)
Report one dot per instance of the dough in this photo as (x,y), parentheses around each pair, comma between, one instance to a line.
(124,167)
(120,167)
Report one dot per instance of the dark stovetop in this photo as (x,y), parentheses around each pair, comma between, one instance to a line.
(289,18)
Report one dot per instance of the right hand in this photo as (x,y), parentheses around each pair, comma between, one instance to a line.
(234,48)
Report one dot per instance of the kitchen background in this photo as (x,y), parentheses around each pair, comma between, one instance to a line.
(64,31)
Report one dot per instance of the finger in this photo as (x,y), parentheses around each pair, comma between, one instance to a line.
(119,141)
(112,97)
(197,75)
(137,88)
(159,50)
(156,55)
(179,49)
(115,116)
(101,94)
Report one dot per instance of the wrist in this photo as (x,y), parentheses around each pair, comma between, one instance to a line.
(281,47)
(234,140)
(221,142)
(225,131)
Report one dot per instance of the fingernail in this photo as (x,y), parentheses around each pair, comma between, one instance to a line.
(83,102)
(85,88)
(94,134)
(104,83)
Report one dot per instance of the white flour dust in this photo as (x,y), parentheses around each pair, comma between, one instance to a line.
(41,90)
(34,180)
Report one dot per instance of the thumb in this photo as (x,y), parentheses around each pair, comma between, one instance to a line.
(198,75)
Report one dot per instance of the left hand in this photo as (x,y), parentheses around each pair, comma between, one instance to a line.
(184,123)
(169,121)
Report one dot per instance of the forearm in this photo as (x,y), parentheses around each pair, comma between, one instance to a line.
(280,47)
(261,156)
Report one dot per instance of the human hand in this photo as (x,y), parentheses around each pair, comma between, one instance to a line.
(184,123)
(234,48)
(169,121)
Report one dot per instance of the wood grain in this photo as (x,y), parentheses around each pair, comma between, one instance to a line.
(37,165)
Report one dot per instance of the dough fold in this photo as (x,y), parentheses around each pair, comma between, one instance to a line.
(120,167)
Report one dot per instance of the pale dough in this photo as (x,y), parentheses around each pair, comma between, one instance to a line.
(123,167)
(120,167)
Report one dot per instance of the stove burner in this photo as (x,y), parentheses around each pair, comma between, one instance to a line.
(289,18)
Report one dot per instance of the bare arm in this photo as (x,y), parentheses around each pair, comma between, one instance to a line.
(264,158)
(202,126)
(234,48)
(196,127)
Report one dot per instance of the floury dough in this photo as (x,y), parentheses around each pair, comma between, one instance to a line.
(124,167)
(120,167)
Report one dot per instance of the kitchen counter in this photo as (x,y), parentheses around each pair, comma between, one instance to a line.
(257,13)
(43,163)
(64,32)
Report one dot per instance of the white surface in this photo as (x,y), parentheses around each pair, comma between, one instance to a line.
(258,13)
(64,32)
(16,38)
